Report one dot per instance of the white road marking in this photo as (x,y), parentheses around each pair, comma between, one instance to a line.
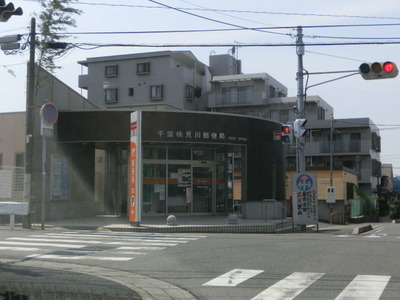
(78,257)
(19,248)
(366,287)
(233,278)
(289,287)
(41,244)
(53,240)
(141,248)
(73,245)
(147,243)
(372,236)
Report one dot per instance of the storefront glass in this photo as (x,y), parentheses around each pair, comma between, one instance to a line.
(191,179)
(203,188)
(154,188)
(179,188)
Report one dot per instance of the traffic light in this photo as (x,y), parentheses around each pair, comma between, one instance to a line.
(287,134)
(378,70)
(8,10)
(298,127)
(10,42)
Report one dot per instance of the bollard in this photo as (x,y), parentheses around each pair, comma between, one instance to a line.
(171,220)
(233,219)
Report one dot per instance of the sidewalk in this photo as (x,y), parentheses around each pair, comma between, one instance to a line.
(192,224)
(186,224)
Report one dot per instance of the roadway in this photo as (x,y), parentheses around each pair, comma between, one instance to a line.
(331,264)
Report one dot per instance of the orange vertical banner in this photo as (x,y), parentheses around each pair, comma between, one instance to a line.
(135,169)
(132,184)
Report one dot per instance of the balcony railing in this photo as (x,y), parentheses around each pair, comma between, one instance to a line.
(340,147)
(238,98)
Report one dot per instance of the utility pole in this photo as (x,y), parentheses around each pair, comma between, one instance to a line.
(331,154)
(300,98)
(30,110)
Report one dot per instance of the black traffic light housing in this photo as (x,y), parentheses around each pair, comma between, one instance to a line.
(378,70)
(8,10)
(287,134)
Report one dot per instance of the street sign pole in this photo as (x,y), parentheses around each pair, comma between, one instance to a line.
(49,116)
(300,97)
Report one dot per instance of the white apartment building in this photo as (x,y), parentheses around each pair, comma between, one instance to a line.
(173,80)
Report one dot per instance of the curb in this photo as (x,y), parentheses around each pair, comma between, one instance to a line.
(146,287)
(362,229)
(268,228)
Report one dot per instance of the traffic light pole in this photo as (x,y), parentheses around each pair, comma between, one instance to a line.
(301,160)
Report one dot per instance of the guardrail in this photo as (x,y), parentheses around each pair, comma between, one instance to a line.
(12,209)
(274,202)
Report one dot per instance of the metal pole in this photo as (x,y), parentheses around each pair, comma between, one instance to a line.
(331,154)
(30,104)
(331,160)
(300,95)
(43,200)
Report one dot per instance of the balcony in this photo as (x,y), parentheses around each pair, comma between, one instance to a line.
(341,147)
(83,81)
(236,99)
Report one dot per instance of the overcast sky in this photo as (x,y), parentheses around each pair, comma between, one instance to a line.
(270,50)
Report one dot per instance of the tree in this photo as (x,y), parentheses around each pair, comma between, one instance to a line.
(55,17)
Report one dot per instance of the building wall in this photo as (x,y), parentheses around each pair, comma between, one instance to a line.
(174,72)
(343,181)
(362,154)
(12,141)
(340,180)
(224,64)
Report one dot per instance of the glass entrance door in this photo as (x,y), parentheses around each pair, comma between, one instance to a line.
(203,189)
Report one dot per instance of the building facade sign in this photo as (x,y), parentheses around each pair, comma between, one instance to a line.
(197,128)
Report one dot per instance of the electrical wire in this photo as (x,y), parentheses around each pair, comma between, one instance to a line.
(237,11)
(221,13)
(98,45)
(210,19)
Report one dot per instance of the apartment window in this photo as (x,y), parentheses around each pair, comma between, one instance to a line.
(189,92)
(110,95)
(354,144)
(143,68)
(236,94)
(282,115)
(111,71)
(156,92)
(376,142)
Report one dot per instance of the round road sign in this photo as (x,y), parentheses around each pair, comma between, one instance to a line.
(49,113)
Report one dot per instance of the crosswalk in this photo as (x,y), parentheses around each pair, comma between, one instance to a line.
(92,246)
(365,287)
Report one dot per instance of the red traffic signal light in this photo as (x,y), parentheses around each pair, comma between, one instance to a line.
(287,134)
(389,67)
(286,129)
(378,70)
(8,10)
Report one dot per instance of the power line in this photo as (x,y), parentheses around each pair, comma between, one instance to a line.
(237,11)
(220,12)
(98,45)
(210,19)
(335,56)
(262,29)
